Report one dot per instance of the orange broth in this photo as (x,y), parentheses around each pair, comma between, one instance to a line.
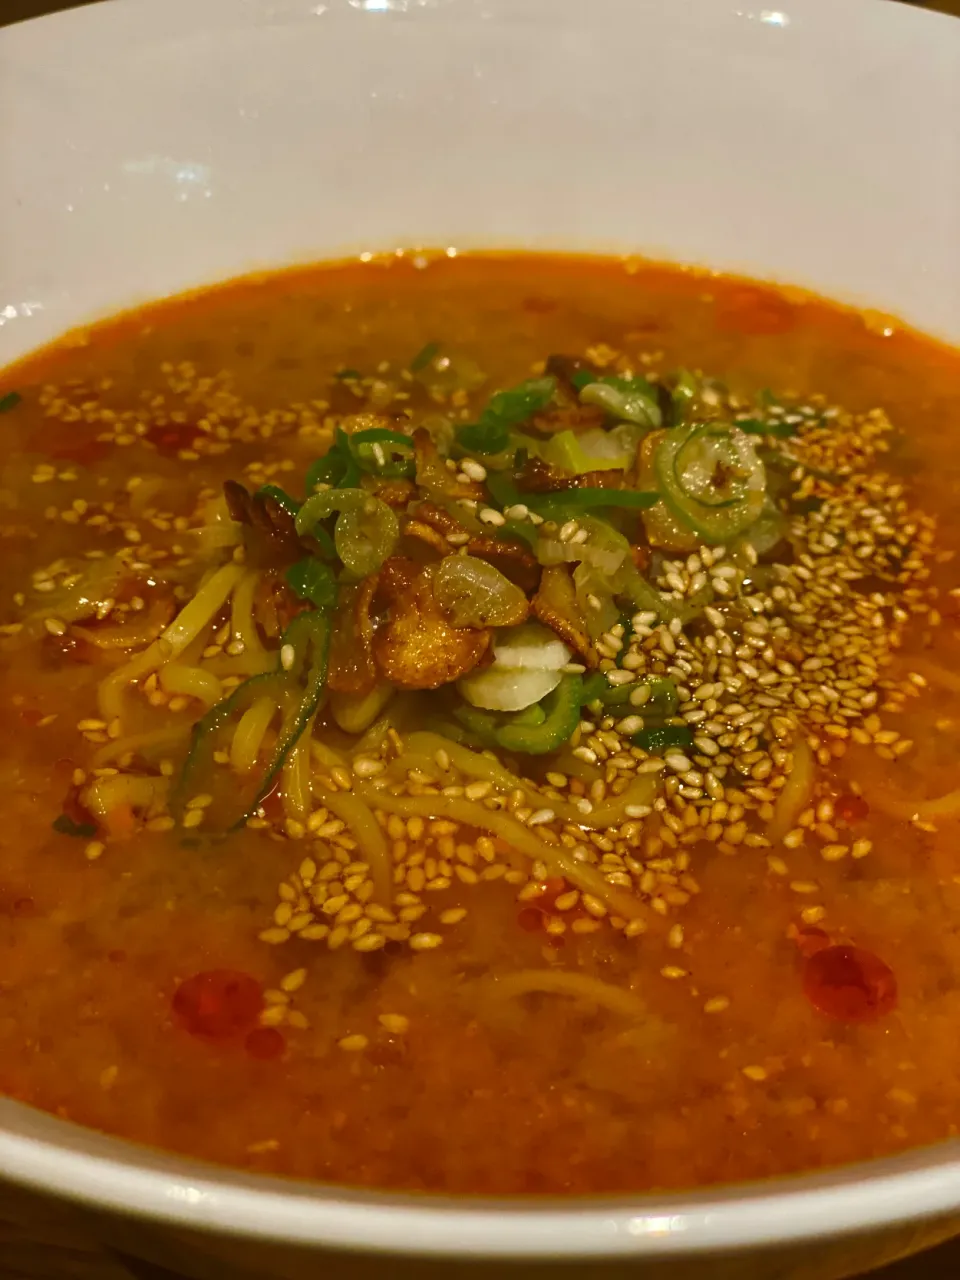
(732,1073)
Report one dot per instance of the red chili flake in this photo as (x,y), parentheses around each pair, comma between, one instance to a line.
(530,919)
(170,438)
(850,808)
(756,311)
(265,1043)
(68,443)
(849,984)
(217,1003)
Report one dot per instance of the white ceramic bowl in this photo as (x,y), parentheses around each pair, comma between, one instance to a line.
(151,145)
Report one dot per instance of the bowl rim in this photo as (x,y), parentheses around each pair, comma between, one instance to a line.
(919,1185)
(112,1174)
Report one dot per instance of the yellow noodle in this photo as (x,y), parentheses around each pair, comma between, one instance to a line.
(796,792)
(145,795)
(357,814)
(98,583)
(472,763)
(219,529)
(613,812)
(935,674)
(124,637)
(190,682)
(241,664)
(325,755)
(420,755)
(297,798)
(356,712)
(159,741)
(242,624)
(945,806)
(111,690)
(250,732)
(186,626)
(578,986)
(566,762)
(556,858)
(205,605)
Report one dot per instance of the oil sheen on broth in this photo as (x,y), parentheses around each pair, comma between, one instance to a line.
(550,732)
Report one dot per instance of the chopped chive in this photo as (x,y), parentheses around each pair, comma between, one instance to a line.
(669,735)
(424,356)
(67,827)
(757,427)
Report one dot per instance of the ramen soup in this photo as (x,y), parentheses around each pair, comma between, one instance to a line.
(484,725)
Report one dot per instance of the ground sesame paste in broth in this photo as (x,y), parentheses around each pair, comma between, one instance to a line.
(519,805)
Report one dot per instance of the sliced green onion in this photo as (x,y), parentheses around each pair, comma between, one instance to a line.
(630,399)
(663,700)
(562,715)
(769,528)
(505,411)
(366,532)
(10,401)
(384,453)
(311,579)
(280,497)
(769,427)
(711,479)
(337,468)
(297,689)
(659,739)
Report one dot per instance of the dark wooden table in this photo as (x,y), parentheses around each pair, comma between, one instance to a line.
(25,1257)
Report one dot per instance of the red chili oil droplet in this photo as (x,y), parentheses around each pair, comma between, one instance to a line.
(850,808)
(265,1043)
(68,444)
(849,984)
(530,919)
(217,1003)
(756,311)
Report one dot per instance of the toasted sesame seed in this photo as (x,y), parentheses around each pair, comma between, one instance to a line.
(716,1004)
(293,980)
(425,941)
(395,1023)
(354,1043)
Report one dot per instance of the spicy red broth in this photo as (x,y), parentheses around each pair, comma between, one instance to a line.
(550,731)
